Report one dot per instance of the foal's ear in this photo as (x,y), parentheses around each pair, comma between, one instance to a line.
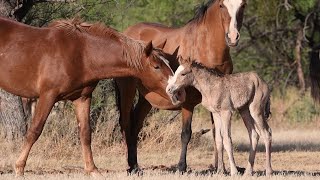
(162,45)
(149,48)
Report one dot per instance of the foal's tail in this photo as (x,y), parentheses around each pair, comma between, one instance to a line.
(314,69)
(267,111)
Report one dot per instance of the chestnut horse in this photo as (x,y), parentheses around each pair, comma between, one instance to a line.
(65,62)
(206,37)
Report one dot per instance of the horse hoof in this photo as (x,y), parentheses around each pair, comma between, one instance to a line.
(19,172)
(182,167)
(135,171)
(269,172)
(96,175)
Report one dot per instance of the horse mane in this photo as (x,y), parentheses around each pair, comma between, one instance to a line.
(201,10)
(212,71)
(133,50)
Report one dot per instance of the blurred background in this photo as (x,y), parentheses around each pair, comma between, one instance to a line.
(277,38)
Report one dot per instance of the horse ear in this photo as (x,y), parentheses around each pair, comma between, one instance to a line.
(149,48)
(162,45)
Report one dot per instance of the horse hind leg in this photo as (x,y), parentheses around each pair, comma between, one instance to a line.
(82,110)
(227,141)
(215,162)
(263,130)
(44,106)
(253,136)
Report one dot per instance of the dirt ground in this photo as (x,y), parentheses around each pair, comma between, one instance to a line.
(296,155)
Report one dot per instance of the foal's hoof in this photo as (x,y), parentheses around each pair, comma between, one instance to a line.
(19,171)
(269,172)
(96,175)
(134,171)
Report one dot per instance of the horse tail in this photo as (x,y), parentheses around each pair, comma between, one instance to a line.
(267,110)
(117,94)
(314,69)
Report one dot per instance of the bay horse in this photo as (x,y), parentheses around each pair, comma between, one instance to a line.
(222,95)
(207,38)
(65,62)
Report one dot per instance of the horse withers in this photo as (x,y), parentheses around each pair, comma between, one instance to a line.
(65,62)
(222,95)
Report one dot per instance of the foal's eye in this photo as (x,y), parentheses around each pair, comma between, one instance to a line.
(157,67)
(221,6)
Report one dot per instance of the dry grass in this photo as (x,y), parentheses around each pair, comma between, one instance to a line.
(57,154)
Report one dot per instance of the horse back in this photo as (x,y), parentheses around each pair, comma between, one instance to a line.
(31,57)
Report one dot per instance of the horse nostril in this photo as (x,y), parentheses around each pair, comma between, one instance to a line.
(238,36)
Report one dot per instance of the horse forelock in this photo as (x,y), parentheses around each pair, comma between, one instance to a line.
(133,50)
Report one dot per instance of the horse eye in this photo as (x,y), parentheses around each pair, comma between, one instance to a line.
(221,6)
(157,67)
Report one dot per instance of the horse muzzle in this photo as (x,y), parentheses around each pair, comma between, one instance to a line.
(232,39)
(177,95)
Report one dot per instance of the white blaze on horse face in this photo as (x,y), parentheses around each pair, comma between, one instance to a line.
(233,7)
(173,80)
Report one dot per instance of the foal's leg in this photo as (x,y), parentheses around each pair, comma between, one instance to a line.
(82,110)
(227,142)
(264,130)
(219,143)
(253,136)
(45,104)
(215,163)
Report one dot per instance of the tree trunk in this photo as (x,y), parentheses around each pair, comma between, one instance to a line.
(12,116)
(298,47)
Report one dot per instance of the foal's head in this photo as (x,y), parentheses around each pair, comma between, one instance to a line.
(182,78)
(232,16)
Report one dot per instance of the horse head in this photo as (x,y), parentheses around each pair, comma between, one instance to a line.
(232,16)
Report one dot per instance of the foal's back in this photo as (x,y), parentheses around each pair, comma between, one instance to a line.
(236,90)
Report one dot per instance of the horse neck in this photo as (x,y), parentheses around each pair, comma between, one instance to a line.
(205,40)
(105,59)
(203,79)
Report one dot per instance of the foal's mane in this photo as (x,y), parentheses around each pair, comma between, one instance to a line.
(212,71)
(133,50)
(201,11)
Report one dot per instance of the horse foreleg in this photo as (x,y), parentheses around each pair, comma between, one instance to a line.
(219,143)
(186,132)
(253,136)
(140,112)
(126,91)
(82,110)
(45,104)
